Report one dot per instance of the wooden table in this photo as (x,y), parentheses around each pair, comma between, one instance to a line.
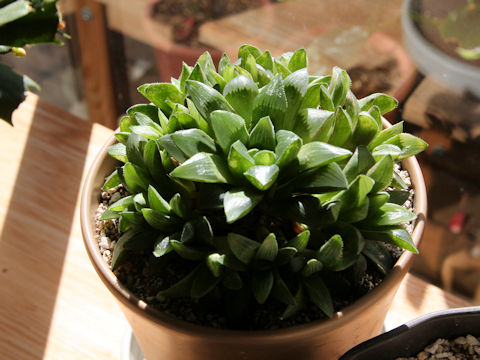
(52,304)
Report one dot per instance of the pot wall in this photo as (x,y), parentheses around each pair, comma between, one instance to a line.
(161,337)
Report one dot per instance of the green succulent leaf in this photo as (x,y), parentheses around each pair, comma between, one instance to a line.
(384,102)
(136,179)
(395,235)
(206,98)
(130,240)
(262,176)
(380,256)
(326,179)
(268,250)
(311,267)
(365,130)
(134,149)
(386,150)
(381,173)
(299,304)
(391,214)
(239,159)
(280,290)
(231,280)
(356,193)
(238,202)
(339,86)
(162,246)
(159,93)
(376,201)
(320,295)
(184,286)
(263,135)
(298,60)
(224,61)
(118,151)
(385,135)
(228,128)
(288,146)
(262,284)
(215,264)
(342,129)
(158,221)
(264,157)
(410,145)
(245,50)
(150,111)
(295,86)
(326,102)
(240,93)
(271,101)
(203,167)
(314,125)
(203,282)
(398,196)
(186,251)
(266,60)
(285,254)
(317,154)
(242,247)
(197,74)
(139,201)
(300,241)
(359,163)
(352,106)
(111,181)
(330,253)
(193,141)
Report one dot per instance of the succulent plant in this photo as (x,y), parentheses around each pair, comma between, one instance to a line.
(267,181)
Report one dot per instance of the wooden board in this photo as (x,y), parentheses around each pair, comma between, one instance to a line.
(52,303)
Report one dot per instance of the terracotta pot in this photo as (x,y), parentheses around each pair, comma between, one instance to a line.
(163,337)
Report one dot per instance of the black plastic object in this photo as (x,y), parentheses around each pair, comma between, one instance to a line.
(411,338)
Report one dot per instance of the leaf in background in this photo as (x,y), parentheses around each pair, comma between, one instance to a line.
(238,202)
(330,253)
(162,246)
(266,60)
(355,194)
(203,167)
(187,252)
(136,179)
(300,241)
(112,180)
(398,196)
(215,264)
(352,106)
(158,220)
(157,202)
(312,266)
(149,110)
(13,87)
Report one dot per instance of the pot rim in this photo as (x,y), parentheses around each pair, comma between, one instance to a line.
(255,336)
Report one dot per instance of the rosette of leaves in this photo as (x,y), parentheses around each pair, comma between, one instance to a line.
(270,182)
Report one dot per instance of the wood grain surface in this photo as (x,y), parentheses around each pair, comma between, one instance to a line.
(52,304)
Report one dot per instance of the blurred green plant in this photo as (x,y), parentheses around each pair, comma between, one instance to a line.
(22,23)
